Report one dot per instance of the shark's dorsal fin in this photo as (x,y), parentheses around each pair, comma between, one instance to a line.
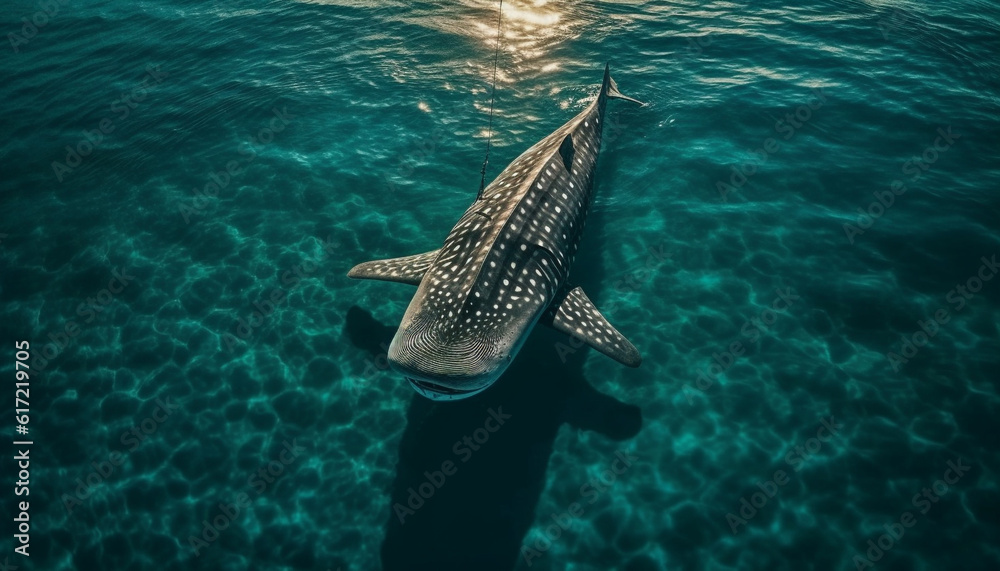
(566,151)
(405,270)
(576,315)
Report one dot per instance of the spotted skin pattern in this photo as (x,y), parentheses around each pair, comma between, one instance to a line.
(502,266)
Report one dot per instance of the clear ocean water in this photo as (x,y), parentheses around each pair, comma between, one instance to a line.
(799,231)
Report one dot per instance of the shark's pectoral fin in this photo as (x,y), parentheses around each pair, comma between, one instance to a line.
(406,270)
(576,315)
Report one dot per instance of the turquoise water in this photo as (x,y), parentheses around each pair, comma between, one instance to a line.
(225,157)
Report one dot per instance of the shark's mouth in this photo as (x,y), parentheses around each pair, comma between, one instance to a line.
(439,392)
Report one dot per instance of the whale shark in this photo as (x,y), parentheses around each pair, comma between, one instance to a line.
(503,269)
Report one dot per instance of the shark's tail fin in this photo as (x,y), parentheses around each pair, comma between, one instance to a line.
(611,88)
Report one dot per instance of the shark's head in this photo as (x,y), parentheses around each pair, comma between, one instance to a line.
(443,363)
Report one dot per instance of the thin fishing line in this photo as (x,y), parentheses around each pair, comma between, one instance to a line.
(489,131)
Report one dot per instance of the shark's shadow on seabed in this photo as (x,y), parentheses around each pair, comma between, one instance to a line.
(477,519)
